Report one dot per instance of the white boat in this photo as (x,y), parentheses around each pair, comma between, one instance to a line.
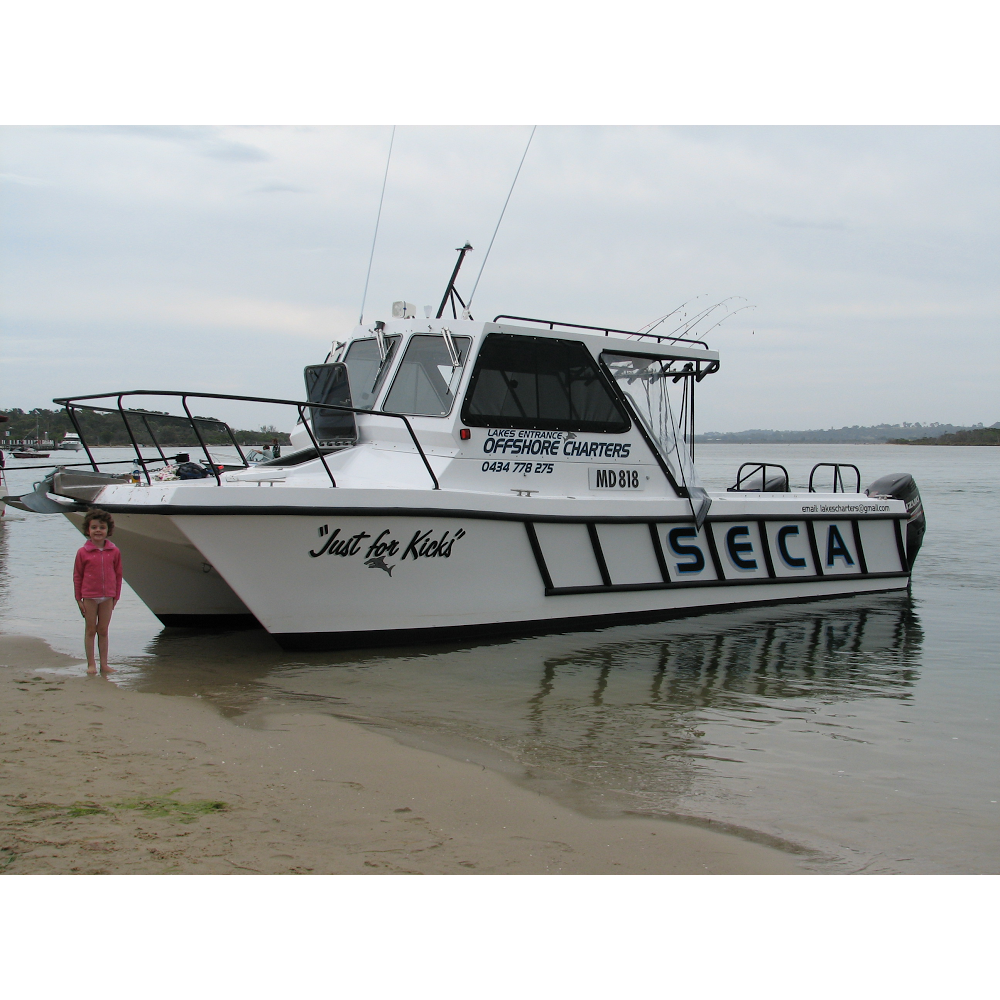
(70,442)
(454,478)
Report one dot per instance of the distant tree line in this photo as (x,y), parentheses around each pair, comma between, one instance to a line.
(973,436)
(877,434)
(108,430)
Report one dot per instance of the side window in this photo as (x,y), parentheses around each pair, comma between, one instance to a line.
(329,384)
(540,383)
(426,381)
(366,370)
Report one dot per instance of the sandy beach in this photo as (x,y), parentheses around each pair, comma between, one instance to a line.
(95,779)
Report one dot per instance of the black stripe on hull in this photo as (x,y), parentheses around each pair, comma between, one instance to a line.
(693,584)
(319,641)
(225,622)
(177,510)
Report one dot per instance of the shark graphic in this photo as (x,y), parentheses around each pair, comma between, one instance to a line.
(378,562)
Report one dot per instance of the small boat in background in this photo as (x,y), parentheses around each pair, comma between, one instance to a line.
(71,442)
(3,482)
(29,453)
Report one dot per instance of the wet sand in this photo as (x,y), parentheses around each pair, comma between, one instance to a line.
(95,779)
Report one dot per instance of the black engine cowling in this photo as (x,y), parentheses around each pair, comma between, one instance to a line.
(902,486)
(775,483)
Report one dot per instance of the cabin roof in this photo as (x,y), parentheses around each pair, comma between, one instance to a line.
(596,342)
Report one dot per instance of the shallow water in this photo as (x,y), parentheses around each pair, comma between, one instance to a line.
(862,730)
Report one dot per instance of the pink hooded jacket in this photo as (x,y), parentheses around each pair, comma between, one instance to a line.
(98,572)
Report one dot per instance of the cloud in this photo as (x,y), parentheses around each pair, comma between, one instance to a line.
(784,220)
(17,179)
(277,187)
(190,310)
(205,141)
(870,254)
(238,152)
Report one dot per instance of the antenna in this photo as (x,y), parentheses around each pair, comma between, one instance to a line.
(504,209)
(450,292)
(378,218)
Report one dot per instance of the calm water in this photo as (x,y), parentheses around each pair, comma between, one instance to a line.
(862,730)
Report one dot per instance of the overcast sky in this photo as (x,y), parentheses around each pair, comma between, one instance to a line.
(225,259)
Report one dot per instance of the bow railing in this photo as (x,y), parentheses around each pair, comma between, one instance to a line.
(74,404)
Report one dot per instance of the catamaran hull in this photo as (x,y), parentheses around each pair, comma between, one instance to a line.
(323,581)
(600,618)
(171,577)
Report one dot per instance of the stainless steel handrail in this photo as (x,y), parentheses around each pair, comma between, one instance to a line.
(553,323)
(74,402)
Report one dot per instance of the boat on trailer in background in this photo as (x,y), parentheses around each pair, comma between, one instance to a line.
(450,478)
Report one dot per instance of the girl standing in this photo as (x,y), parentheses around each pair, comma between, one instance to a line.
(97,581)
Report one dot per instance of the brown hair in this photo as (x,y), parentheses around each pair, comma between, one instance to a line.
(98,515)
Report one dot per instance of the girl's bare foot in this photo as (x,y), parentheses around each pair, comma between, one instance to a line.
(107,670)
(91,670)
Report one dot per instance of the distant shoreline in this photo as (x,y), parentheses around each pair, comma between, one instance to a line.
(940,434)
(978,437)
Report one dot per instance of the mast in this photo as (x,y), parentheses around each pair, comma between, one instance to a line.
(450,292)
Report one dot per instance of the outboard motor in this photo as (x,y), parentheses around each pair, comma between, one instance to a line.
(902,486)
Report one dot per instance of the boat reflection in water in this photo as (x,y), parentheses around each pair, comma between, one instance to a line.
(662,716)
(816,652)
(657,711)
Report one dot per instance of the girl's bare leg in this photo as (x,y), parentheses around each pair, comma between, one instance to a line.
(90,632)
(104,610)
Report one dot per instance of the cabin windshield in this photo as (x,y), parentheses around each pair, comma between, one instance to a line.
(428,376)
(540,383)
(647,381)
(366,370)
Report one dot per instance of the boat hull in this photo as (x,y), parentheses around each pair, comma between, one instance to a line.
(171,577)
(324,581)
(318,641)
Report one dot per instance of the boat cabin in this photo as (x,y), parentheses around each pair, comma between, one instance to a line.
(508,406)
